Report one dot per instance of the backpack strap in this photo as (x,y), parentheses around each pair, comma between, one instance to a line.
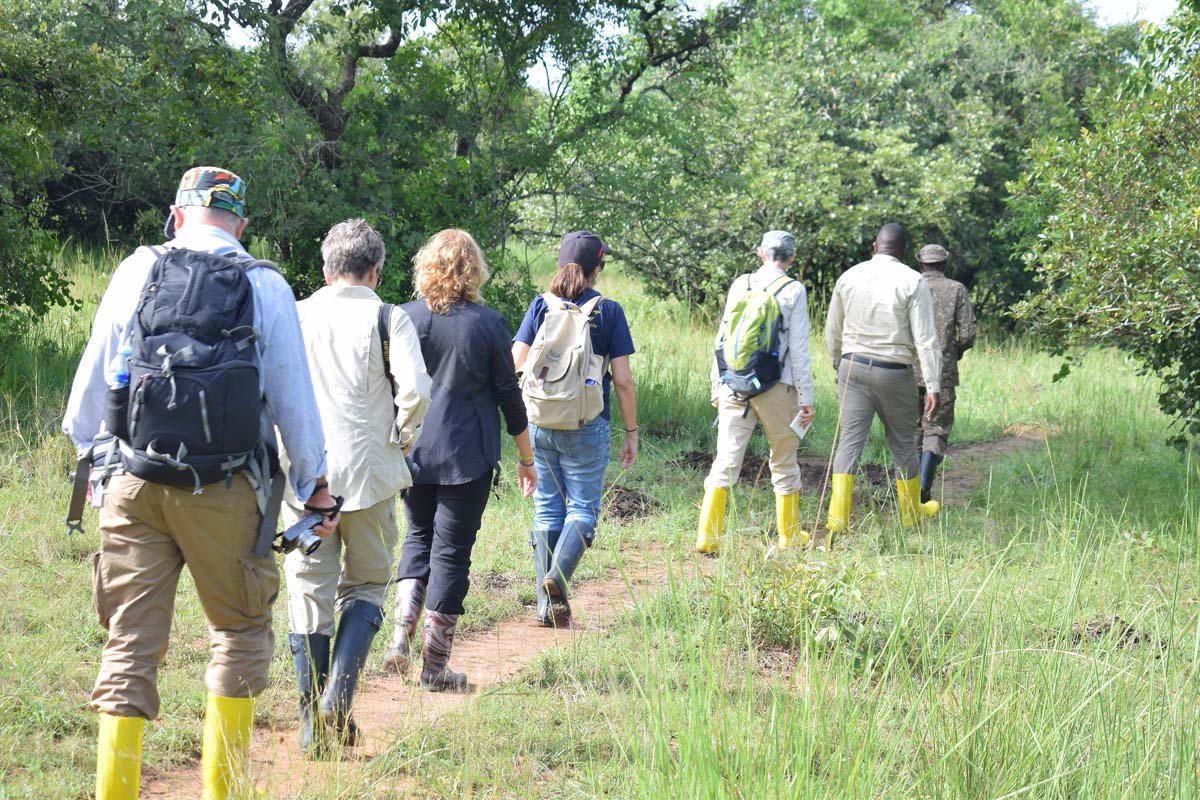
(786,281)
(591,305)
(553,302)
(255,263)
(735,292)
(588,309)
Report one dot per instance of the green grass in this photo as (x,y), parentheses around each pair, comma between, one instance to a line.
(939,663)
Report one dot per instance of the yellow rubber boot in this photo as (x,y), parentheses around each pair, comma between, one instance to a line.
(840,502)
(225,752)
(787,519)
(912,510)
(712,518)
(119,757)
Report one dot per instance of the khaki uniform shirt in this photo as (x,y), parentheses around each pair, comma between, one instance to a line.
(366,427)
(954,319)
(882,309)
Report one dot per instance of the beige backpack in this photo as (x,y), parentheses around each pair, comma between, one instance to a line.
(562,379)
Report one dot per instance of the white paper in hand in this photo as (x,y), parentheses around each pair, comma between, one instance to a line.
(801,430)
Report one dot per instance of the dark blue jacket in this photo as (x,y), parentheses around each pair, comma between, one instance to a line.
(468,356)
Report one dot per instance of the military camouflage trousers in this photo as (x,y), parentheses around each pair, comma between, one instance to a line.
(933,435)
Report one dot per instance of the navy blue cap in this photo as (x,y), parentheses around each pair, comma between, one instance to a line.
(582,248)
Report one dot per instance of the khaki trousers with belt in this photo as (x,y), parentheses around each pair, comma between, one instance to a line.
(736,420)
(863,392)
(148,532)
(355,563)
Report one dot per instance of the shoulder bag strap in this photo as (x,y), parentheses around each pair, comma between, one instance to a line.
(385,339)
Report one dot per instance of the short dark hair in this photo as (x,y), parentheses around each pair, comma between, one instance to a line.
(892,238)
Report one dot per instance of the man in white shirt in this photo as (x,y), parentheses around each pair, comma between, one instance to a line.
(775,408)
(880,325)
(370,423)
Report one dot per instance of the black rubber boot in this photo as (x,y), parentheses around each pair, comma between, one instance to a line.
(543,545)
(568,551)
(357,627)
(929,465)
(310,652)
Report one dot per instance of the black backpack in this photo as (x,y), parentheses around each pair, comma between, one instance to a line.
(190,414)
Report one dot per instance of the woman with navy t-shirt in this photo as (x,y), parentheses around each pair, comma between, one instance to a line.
(570,464)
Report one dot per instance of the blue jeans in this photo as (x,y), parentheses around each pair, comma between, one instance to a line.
(570,472)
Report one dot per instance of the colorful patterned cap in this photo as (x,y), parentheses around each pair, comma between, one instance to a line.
(208,187)
(212,187)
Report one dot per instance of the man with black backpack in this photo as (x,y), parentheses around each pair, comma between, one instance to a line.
(194,361)
(761,374)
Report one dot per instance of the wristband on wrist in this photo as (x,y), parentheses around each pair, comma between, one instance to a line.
(525,461)
(319,484)
(631,430)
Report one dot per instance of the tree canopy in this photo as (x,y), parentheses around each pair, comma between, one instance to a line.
(831,117)
(1113,222)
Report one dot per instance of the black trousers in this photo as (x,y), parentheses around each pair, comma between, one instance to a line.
(442,524)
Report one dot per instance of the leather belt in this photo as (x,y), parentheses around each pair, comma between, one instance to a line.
(873,362)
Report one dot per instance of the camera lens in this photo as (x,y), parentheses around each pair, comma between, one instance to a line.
(300,535)
(308,542)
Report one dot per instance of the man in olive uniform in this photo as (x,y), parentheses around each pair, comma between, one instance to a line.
(955,322)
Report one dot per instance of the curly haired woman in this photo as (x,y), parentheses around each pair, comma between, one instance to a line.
(466,351)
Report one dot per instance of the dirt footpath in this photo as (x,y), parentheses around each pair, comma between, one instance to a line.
(388,705)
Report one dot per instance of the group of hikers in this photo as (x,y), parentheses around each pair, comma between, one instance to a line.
(894,337)
(208,403)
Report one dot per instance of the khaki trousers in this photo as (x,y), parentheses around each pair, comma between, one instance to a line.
(863,392)
(355,563)
(147,533)
(736,419)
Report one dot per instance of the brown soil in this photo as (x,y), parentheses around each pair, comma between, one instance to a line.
(1100,628)
(388,705)
(623,503)
(968,463)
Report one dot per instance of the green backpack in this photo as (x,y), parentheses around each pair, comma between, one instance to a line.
(750,338)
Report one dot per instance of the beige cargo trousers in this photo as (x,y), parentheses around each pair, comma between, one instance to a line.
(736,419)
(148,532)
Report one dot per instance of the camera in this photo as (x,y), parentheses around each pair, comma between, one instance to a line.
(299,536)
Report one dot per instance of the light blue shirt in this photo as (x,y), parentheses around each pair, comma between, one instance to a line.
(290,404)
